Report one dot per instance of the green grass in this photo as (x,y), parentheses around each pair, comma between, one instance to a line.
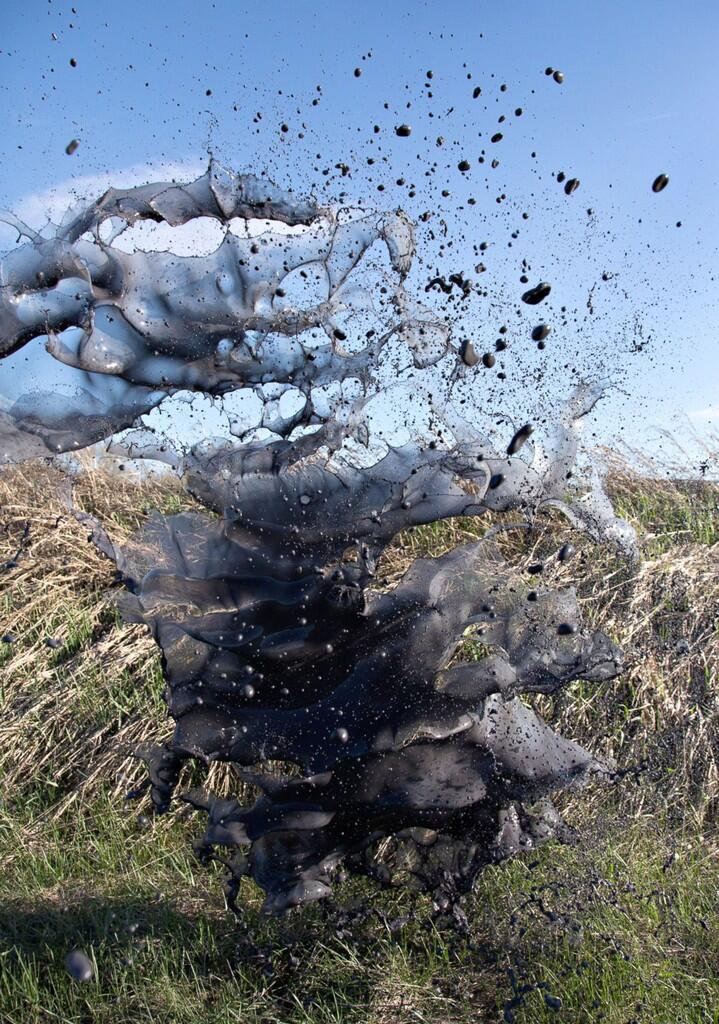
(671,512)
(630,926)
(620,927)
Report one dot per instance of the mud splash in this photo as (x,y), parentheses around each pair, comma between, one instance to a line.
(278,645)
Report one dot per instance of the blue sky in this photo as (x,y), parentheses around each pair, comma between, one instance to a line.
(637,100)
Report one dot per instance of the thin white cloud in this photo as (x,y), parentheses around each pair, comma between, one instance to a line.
(50,205)
(649,119)
(40,210)
(703,416)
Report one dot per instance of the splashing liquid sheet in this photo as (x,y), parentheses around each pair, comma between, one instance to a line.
(278,645)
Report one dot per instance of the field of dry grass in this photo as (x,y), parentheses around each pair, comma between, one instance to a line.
(622,926)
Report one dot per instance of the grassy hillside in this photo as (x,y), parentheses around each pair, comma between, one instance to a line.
(620,927)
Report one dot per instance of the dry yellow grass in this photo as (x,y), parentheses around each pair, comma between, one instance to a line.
(664,712)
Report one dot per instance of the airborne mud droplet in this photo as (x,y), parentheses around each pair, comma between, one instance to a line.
(537,294)
(660,183)
(540,332)
(469,354)
(403,130)
(72,145)
(571,186)
(79,966)
(522,435)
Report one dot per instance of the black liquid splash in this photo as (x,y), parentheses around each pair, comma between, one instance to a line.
(278,644)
